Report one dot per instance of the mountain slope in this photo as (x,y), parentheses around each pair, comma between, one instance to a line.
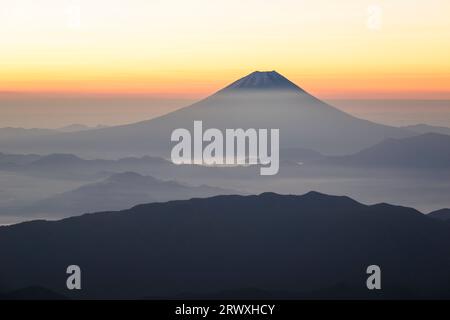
(269,242)
(430,150)
(259,100)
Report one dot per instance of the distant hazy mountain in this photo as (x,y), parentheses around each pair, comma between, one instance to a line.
(79,127)
(67,160)
(120,191)
(9,133)
(69,166)
(259,100)
(425,128)
(443,214)
(273,243)
(299,155)
(11,160)
(430,150)
(56,159)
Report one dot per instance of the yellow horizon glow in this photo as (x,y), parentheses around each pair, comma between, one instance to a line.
(193,48)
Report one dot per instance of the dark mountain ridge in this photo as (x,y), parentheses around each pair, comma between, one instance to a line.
(275,243)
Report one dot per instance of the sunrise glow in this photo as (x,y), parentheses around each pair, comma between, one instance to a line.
(358,48)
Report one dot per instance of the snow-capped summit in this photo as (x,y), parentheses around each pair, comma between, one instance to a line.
(262,80)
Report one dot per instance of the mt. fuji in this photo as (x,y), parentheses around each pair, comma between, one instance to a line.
(258,100)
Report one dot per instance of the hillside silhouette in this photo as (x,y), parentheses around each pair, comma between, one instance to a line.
(283,245)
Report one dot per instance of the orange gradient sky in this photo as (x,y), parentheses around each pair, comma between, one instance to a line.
(188,49)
